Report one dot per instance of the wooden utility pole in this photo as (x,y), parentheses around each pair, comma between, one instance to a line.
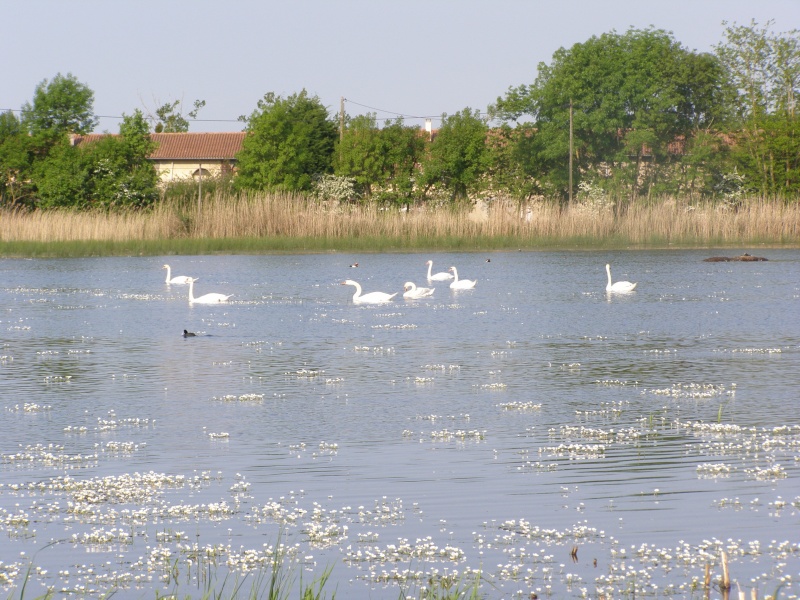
(570,150)
(199,187)
(341,118)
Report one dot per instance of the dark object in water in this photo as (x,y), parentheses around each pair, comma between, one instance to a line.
(188,334)
(743,258)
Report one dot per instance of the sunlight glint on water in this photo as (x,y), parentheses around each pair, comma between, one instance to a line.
(495,428)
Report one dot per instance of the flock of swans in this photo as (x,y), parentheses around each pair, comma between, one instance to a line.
(410,289)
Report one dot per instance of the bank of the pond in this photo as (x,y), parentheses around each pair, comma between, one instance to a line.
(275,224)
(243,246)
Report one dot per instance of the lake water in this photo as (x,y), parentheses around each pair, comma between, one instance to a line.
(562,441)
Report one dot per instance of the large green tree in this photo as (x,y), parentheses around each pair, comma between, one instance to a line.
(403,149)
(765,70)
(289,142)
(458,156)
(61,105)
(632,95)
(111,172)
(358,153)
(381,160)
(16,158)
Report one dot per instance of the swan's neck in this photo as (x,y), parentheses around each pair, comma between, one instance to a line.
(608,270)
(455,275)
(191,291)
(168,273)
(358,291)
(430,266)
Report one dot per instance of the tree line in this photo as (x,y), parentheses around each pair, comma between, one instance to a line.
(622,115)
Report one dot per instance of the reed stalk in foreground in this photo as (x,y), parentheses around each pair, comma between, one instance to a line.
(274,223)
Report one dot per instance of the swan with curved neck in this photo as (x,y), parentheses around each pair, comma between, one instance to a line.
(620,287)
(438,276)
(461,284)
(412,292)
(180,279)
(210,298)
(371,298)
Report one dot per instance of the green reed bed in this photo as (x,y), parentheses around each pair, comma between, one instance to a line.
(268,223)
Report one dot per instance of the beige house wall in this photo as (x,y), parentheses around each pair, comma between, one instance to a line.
(173,170)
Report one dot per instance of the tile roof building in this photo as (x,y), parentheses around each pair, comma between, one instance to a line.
(188,155)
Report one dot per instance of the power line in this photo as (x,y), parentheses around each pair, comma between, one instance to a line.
(237,120)
(391,112)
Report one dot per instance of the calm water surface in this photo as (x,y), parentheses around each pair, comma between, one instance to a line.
(495,429)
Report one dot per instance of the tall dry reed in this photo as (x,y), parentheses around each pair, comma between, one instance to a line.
(289,217)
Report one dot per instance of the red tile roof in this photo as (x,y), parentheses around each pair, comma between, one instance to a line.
(185,146)
(194,146)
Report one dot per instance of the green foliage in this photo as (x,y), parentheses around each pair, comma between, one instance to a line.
(764,68)
(290,142)
(171,120)
(632,96)
(458,156)
(111,172)
(507,173)
(358,153)
(63,105)
(16,158)
(402,149)
(382,161)
(767,154)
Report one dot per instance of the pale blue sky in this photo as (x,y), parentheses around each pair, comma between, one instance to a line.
(413,57)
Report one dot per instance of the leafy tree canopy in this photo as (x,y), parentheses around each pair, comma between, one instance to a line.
(108,173)
(458,156)
(381,160)
(291,140)
(170,118)
(763,66)
(358,153)
(62,105)
(628,92)
(765,70)
(15,161)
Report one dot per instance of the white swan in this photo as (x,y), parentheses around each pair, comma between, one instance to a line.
(412,292)
(211,298)
(179,279)
(438,276)
(620,287)
(461,284)
(371,298)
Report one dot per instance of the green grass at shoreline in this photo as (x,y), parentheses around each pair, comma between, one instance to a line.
(287,245)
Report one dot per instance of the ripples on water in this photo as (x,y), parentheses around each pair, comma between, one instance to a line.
(494,429)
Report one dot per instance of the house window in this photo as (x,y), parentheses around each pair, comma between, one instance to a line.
(198,173)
